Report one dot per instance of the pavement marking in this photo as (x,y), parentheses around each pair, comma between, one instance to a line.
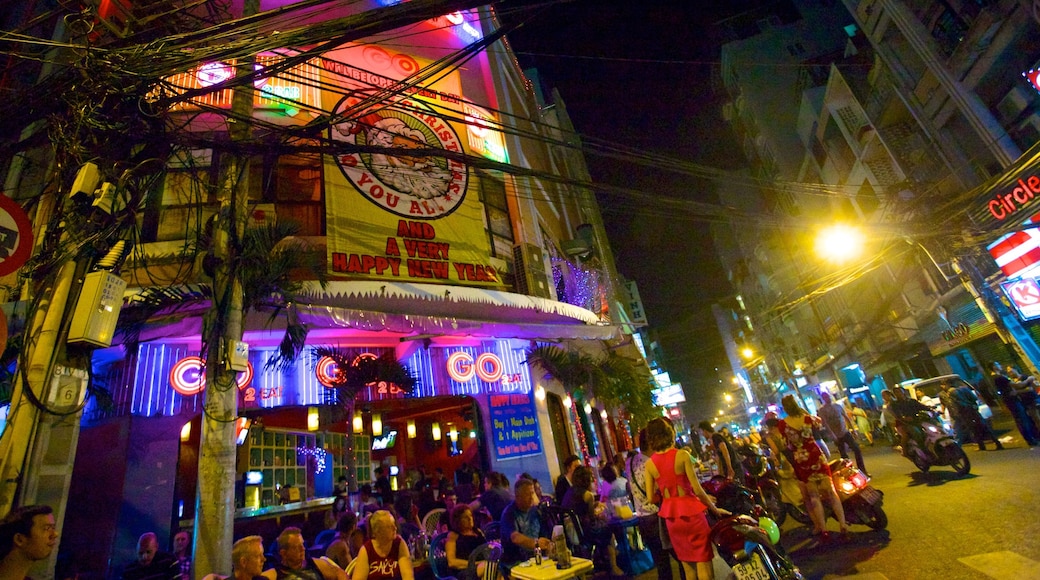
(1004,565)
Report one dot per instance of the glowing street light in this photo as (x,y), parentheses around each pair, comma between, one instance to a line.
(728,397)
(747,352)
(839,243)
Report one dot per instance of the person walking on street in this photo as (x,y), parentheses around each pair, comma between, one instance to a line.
(837,421)
(670,473)
(1009,395)
(863,425)
(962,403)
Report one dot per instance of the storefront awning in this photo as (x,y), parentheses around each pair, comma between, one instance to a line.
(453,301)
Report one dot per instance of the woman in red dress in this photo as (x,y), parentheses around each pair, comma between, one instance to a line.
(795,434)
(670,472)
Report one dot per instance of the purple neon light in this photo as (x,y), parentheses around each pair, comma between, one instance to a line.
(144,388)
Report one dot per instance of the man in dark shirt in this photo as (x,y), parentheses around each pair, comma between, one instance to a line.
(563,483)
(383,488)
(904,409)
(729,466)
(523,526)
(1009,395)
(496,497)
(152,564)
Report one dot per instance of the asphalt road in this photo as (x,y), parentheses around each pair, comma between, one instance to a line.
(985,525)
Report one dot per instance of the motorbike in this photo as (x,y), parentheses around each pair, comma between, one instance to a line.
(762,480)
(939,447)
(860,501)
(750,547)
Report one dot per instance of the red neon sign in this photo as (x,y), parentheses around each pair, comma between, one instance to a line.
(188,376)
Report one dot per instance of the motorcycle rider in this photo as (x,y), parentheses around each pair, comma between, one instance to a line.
(904,409)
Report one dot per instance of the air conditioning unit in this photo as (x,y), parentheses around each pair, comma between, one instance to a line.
(529,267)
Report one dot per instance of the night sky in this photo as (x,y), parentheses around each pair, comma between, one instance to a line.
(640,74)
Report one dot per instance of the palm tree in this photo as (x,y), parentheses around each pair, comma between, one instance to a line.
(611,379)
(356,373)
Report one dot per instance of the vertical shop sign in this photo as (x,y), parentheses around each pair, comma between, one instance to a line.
(514,426)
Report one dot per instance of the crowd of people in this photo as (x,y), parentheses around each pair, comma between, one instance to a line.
(658,481)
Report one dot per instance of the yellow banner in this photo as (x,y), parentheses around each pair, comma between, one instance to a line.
(413,219)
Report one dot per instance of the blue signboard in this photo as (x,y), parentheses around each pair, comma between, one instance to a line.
(514,425)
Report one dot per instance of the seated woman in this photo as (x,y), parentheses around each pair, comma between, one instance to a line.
(348,541)
(582,502)
(385,555)
(462,540)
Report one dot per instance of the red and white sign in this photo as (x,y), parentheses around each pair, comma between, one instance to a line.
(188,376)
(15,236)
(1025,295)
(462,367)
(1017,253)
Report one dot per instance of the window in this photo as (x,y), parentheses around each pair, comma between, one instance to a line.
(492,189)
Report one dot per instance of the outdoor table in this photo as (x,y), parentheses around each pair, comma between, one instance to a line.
(547,570)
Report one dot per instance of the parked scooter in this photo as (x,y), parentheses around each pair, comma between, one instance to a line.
(939,448)
(751,548)
(763,482)
(859,500)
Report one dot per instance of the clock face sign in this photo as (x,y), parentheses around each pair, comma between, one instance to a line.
(420,186)
(15,236)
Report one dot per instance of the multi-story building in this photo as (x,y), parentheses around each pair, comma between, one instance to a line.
(923,104)
(455,260)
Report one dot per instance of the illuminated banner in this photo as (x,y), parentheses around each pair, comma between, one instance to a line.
(670,395)
(1025,296)
(393,217)
(514,426)
(1011,198)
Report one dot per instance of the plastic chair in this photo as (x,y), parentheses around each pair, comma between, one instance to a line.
(321,543)
(431,520)
(438,557)
(491,554)
(492,531)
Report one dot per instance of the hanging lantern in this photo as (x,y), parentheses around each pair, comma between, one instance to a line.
(436,431)
(312,418)
(359,423)
(411,428)
(377,424)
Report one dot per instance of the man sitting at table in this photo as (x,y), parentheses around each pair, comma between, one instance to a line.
(523,526)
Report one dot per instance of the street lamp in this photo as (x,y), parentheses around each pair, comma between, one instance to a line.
(728,397)
(839,243)
(747,352)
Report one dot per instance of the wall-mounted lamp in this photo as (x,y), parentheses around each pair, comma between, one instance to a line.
(359,423)
(377,424)
(567,402)
(186,432)
(588,409)
(539,393)
(411,428)
(603,413)
(436,431)
(453,434)
(312,418)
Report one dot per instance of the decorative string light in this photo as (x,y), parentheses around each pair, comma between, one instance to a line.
(320,456)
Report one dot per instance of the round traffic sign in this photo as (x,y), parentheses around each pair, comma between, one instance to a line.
(1026,293)
(15,236)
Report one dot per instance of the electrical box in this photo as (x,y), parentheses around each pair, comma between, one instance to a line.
(68,388)
(97,310)
(238,355)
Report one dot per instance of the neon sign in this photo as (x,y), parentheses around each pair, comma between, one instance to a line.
(327,371)
(1033,76)
(188,376)
(487,367)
